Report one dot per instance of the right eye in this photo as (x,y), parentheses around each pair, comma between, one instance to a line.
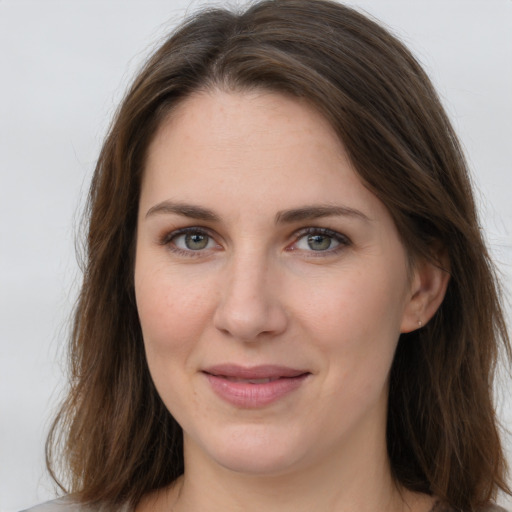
(190,241)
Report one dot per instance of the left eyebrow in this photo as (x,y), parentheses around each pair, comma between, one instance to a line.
(318,211)
(183,209)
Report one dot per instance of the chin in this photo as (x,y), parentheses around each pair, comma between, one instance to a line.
(254,451)
(257,462)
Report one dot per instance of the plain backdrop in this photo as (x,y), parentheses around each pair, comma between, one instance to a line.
(64,66)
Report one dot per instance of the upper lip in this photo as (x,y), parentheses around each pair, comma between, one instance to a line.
(267,371)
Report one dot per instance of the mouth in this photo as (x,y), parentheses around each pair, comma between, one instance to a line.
(251,381)
(254,375)
(256,386)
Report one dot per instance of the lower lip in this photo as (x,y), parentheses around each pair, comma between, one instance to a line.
(251,396)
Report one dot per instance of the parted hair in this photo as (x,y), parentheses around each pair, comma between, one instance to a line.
(113,439)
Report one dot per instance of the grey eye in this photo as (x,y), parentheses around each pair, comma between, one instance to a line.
(320,242)
(193,241)
(196,241)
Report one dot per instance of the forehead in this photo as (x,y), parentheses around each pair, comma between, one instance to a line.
(220,120)
(240,146)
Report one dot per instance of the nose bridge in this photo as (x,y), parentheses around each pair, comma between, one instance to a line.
(249,304)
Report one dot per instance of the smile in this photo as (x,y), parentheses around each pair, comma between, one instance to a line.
(254,387)
(252,381)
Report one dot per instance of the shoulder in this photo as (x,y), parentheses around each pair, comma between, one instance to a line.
(489,508)
(493,508)
(59,505)
(66,504)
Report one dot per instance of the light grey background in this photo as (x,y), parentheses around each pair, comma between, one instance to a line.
(63,68)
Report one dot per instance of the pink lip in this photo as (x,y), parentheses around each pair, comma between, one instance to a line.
(256,386)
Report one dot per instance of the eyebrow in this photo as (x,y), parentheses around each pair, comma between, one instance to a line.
(282,217)
(186,210)
(318,211)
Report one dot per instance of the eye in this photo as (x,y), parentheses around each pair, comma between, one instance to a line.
(317,242)
(190,240)
(320,240)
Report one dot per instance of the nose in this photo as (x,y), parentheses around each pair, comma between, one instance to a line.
(249,307)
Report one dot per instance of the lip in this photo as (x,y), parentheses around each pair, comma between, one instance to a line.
(256,386)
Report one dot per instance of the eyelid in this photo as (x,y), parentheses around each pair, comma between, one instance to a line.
(343,240)
(168,237)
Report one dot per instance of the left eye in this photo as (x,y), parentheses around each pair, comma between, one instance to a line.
(320,241)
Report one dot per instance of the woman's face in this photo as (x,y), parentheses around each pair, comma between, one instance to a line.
(271,285)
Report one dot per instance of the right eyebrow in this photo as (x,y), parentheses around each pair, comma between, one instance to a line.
(186,210)
(318,211)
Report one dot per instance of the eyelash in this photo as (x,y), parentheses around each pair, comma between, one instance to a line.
(342,240)
(168,240)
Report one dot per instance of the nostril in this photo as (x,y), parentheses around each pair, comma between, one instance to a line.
(249,323)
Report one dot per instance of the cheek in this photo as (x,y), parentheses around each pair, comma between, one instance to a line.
(354,320)
(172,315)
(171,311)
(351,305)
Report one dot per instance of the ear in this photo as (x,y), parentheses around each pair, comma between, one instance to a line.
(428,288)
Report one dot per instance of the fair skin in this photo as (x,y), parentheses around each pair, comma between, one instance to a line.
(272,287)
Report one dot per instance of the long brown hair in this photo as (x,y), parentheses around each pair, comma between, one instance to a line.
(117,439)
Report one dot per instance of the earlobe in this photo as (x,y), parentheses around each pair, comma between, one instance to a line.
(428,288)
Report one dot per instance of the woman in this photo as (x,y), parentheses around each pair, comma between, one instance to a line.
(287,303)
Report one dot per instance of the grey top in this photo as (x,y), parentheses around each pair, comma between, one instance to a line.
(65,504)
(438,507)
